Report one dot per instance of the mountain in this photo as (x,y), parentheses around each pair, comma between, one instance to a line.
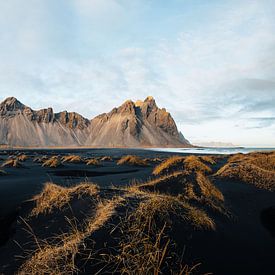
(133,124)
(216,144)
(22,126)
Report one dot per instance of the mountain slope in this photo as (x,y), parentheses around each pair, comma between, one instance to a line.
(136,124)
(139,124)
(22,126)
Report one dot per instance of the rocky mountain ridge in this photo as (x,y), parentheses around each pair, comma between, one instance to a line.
(133,124)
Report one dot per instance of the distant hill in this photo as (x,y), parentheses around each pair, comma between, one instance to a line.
(215,144)
(133,124)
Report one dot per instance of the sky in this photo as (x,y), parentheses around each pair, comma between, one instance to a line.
(210,63)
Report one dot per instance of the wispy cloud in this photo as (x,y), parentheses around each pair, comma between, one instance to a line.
(211,65)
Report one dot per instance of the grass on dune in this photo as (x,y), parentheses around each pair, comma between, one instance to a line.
(208,159)
(208,189)
(55,196)
(167,184)
(194,187)
(59,258)
(193,163)
(161,206)
(72,159)
(132,160)
(52,162)
(22,157)
(106,158)
(265,161)
(249,173)
(145,246)
(12,163)
(94,162)
(153,160)
(40,159)
(255,168)
(169,165)
(177,163)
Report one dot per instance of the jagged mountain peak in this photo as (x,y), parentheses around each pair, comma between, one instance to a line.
(12,107)
(10,100)
(139,123)
(133,124)
(11,104)
(148,100)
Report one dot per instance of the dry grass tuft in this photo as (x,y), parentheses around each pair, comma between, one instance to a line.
(249,173)
(59,258)
(188,186)
(193,163)
(72,159)
(56,196)
(159,206)
(106,158)
(208,189)
(169,165)
(237,157)
(53,162)
(177,163)
(264,161)
(145,246)
(132,160)
(40,159)
(171,184)
(22,157)
(208,159)
(94,162)
(12,163)
(254,168)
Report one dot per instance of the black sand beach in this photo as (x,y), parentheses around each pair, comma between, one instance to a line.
(242,243)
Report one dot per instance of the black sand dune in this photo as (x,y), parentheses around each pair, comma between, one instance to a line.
(241,242)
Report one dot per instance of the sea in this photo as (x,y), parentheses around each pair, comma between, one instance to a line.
(214,150)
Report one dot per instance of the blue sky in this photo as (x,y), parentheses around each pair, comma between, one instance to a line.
(210,63)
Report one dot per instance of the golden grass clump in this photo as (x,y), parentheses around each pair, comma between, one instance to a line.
(167,166)
(188,186)
(59,258)
(145,246)
(161,206)
(12,163)
(22,157)
(168,184)
(237,157)
(106,158)
(132,160)
(40,159)
(265,161)
(208,159)
(256,168)
(72,159)
(94,162)
(52,162)
(56,196)
(249,173)
(208,189)
(193,163)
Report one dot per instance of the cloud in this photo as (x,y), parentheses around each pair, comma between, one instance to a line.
(259,122)
(89,56)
